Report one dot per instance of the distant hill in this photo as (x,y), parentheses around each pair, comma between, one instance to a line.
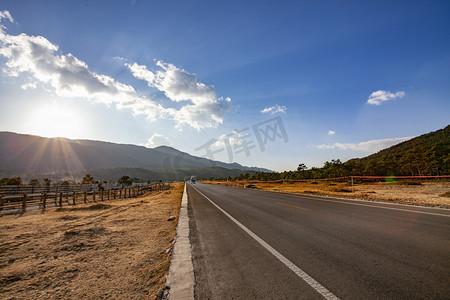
(60,158)
(428,154)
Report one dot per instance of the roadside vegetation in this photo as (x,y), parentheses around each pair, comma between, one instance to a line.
(428,154)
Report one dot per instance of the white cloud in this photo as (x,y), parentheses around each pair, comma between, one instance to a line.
(378,97)
(158,140)
(31,85)
(67,76)
(230,140)
(369,146)
(141,72)
(274,109)
(201,107)
(331,132)
(6,15)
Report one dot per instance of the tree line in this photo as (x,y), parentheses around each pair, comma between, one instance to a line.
(87,179)
(426,155)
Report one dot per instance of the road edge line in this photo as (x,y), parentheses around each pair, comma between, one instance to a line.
(294,268)
(367,203)
(364,200)
(181,270)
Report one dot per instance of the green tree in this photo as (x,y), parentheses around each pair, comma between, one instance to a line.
(100,186)
(301,167)
(34,182)
(11,181)
(301,171)
(125,181)
(87,179)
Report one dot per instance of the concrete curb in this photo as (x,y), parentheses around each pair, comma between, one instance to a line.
(181,270)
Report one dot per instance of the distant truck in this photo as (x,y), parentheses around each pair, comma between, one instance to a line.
(193,178)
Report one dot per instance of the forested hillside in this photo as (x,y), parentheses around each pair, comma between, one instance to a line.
(428,154)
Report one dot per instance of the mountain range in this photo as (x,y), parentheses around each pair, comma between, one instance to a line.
(30,156)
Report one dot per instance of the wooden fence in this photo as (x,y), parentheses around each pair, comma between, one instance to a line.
(42,200)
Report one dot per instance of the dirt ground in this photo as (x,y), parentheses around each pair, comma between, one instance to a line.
(424,193)
(118,249)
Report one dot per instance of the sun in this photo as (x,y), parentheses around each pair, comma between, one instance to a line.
(57,120)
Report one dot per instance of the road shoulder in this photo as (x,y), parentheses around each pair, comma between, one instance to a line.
(181,272)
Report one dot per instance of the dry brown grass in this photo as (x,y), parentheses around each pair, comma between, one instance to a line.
(111,250)
(418,193)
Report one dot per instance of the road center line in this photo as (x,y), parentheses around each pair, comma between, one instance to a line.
(294,206)
(300,273)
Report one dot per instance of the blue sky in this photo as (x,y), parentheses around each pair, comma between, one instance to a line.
(317,80)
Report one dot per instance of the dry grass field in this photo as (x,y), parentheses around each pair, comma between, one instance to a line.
(424,193)
(118,249)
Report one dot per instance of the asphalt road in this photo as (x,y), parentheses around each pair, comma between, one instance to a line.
(351,249)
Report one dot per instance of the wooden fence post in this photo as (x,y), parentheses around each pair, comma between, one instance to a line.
(101,195)
(109,194)
(44,201)
(74,198)
(85,197)
(120,194)
(60,199)
(24,203)
(2,202)
(114,194)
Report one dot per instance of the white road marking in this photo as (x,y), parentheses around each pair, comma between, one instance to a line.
(369,205)
(300,273)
